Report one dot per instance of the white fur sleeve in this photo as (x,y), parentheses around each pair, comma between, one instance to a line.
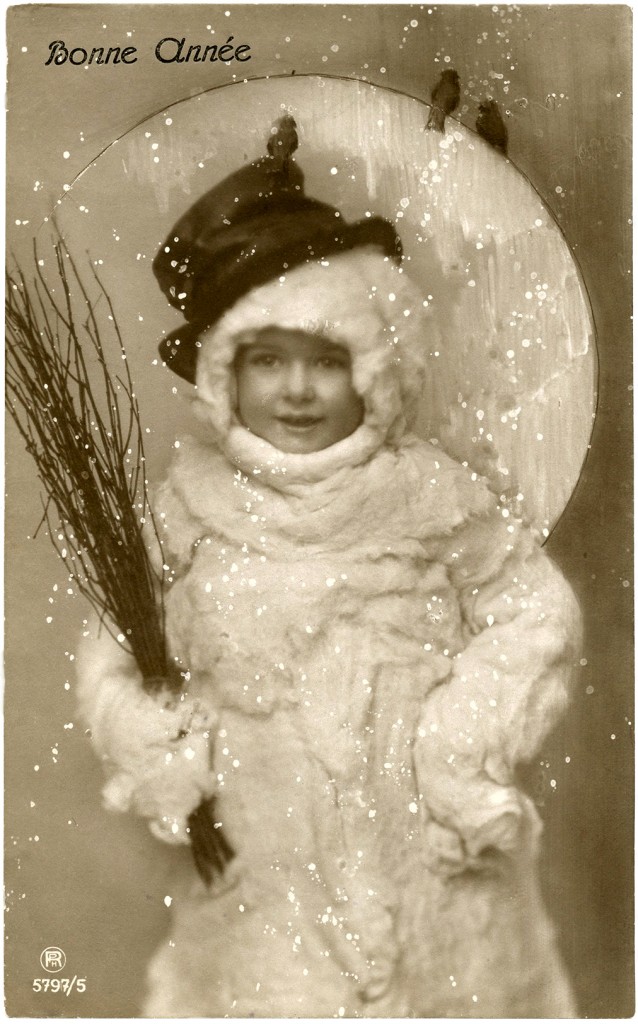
(155,747)
(508,686)
(177,528)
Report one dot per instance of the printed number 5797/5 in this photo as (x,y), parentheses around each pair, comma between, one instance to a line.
(66,985)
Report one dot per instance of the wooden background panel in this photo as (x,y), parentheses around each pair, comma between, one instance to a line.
(511,352)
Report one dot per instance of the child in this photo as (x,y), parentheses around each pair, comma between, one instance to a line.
(372,644)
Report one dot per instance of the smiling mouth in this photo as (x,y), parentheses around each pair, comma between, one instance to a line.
(300,422)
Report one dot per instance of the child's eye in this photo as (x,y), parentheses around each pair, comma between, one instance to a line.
(266,359)
(332,362)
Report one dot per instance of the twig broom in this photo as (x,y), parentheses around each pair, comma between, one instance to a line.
(90,459)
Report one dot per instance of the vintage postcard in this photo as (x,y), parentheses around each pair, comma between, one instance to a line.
(319,688)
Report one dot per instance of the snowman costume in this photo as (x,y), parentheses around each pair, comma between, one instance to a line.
(372,645)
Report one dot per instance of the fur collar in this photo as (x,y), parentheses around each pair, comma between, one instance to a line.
(403,494)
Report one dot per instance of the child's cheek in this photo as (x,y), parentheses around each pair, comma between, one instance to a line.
(232,390)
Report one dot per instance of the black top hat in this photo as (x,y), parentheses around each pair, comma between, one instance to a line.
(250,228)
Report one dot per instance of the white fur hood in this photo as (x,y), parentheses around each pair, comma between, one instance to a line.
(359,299)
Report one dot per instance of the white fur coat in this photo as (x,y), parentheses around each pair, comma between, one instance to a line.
(373,644)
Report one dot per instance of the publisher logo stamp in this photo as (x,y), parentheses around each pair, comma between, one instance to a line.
(52,959)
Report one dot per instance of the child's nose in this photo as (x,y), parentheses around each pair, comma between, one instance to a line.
(299,381)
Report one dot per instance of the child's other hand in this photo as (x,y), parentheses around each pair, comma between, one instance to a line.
(173,785)
(487,817)
(492,820)
(444,850)
(506,825)
(159,753)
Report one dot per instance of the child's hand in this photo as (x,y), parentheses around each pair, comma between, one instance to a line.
(158,746)
(487,815)
(169,776)
(155,743)
(444,850)
(474,817)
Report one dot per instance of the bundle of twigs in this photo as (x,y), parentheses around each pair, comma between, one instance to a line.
(87,442)
(90,457)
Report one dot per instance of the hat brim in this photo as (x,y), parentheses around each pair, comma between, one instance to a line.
(179,349)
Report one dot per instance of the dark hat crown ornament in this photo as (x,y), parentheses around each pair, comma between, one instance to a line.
(247,230)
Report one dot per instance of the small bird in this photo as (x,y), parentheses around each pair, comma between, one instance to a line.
(491,126)
(283,140)
(445,98)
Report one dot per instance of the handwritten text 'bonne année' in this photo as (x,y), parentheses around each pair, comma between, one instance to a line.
(169,50)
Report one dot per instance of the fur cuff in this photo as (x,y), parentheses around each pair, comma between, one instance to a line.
(155,746)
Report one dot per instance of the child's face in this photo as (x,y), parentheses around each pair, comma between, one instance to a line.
(295,390)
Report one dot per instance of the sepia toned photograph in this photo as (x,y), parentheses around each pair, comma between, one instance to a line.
(318,514)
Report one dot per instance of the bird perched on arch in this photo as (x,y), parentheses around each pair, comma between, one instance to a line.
(283,140)
(445,98)
(491,126)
